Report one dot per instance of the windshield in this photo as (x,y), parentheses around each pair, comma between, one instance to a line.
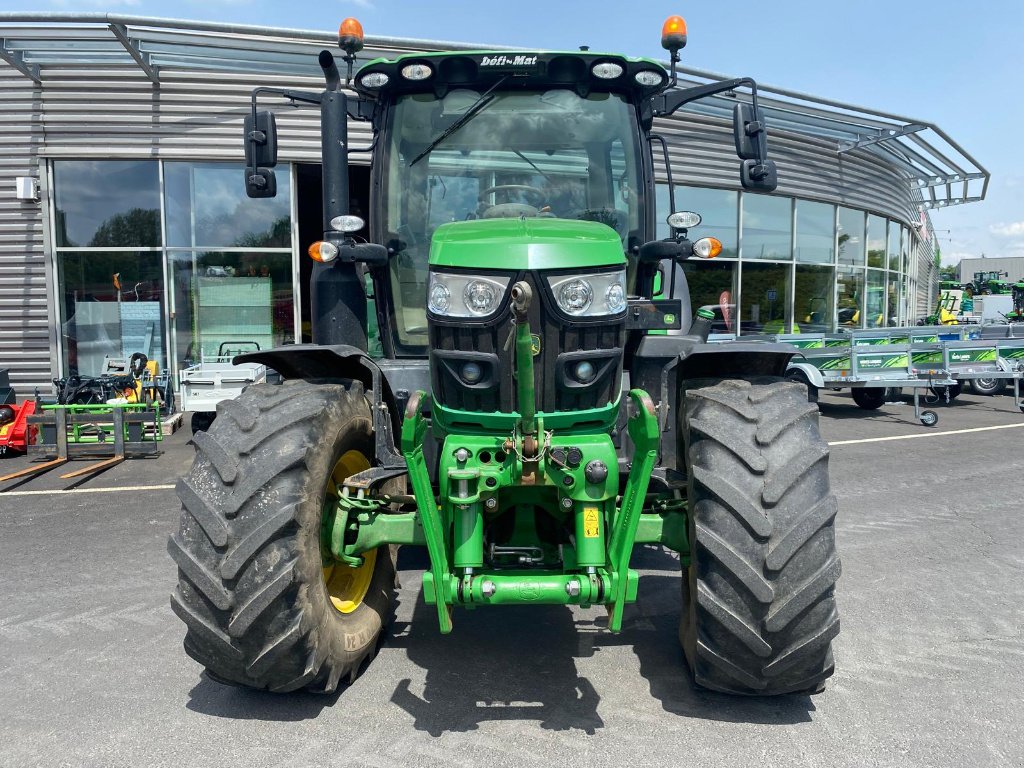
(548,153)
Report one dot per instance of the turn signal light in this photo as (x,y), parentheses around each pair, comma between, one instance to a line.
(350,36)
(323,251)
(707,247)
(673,33)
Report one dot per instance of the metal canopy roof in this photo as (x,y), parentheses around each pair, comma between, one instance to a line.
(942,171)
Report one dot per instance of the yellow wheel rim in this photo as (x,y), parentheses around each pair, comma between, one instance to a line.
(348,586)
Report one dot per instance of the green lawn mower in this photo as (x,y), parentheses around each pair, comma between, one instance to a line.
(537,411)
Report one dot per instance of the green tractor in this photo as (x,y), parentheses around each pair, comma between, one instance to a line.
(1016,315)
(536,413)
(989,284)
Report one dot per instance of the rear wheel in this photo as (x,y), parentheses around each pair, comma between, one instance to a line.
(263,606)
(988,386)
(760,611)
(869,398)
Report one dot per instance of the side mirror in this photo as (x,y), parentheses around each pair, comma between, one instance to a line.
(757,172)
(759,177)
(749,132)
(260,182)
(261,140)
(260,154)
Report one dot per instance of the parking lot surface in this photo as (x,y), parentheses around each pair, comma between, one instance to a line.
(929,663)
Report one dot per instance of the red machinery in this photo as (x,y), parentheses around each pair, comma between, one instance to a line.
(14,429)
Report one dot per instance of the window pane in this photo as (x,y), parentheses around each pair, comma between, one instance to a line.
(894,246)
(850,282)
(713,285)
(111,305)
(207,207)
(906,302)
(815,232)
(876,241)
(851,236)
(893,300)
(662,210)
(765,297)
(717,209)
(107,203)
(906,250)
(875,297)
(237,300)
(812,307)
(767,227)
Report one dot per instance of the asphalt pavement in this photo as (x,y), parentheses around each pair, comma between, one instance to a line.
(929,662)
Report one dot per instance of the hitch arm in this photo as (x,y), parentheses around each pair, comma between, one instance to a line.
(643,430)
(414,430)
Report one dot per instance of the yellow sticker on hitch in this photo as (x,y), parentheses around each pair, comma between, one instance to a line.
(591,522)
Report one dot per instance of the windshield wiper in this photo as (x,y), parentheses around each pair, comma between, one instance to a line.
(485,99)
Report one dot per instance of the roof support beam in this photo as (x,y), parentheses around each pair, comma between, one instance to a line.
(17,60)
(886,135)
(142,59)
(947,179)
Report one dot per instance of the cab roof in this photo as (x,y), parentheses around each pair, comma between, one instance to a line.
(514,69)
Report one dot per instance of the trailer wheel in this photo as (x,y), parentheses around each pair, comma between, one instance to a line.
(869,398)
(988,386)
(759,610)
(263,606)
(929,418)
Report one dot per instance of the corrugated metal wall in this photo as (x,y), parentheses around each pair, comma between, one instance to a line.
(24,316)
(115,112)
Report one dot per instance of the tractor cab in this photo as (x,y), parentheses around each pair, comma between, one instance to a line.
(478,136)
(469,139)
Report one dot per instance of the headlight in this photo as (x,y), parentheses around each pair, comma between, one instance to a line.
(455,295)
(590,295)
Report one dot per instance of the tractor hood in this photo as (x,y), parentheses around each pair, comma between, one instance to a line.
(526,243)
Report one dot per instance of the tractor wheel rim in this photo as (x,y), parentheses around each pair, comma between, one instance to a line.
(347,586)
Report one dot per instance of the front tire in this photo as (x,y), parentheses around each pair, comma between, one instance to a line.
(261,609)
(760,611)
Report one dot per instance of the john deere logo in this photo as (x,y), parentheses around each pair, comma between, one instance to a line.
(535,344)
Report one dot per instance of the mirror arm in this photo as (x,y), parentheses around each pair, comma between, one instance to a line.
(668,102)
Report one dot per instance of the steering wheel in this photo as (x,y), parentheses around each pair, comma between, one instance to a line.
(511,210)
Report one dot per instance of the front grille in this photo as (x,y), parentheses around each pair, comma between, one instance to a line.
(564,343)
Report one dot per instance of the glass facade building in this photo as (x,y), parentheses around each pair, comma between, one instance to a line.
(792,265)
(169,259)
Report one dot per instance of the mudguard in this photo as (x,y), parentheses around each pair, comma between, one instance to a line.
(812,373)
(663,366)
(734,360)
(341,362)
(315,361)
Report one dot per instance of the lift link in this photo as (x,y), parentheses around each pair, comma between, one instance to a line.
(414,432)
(643,430)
